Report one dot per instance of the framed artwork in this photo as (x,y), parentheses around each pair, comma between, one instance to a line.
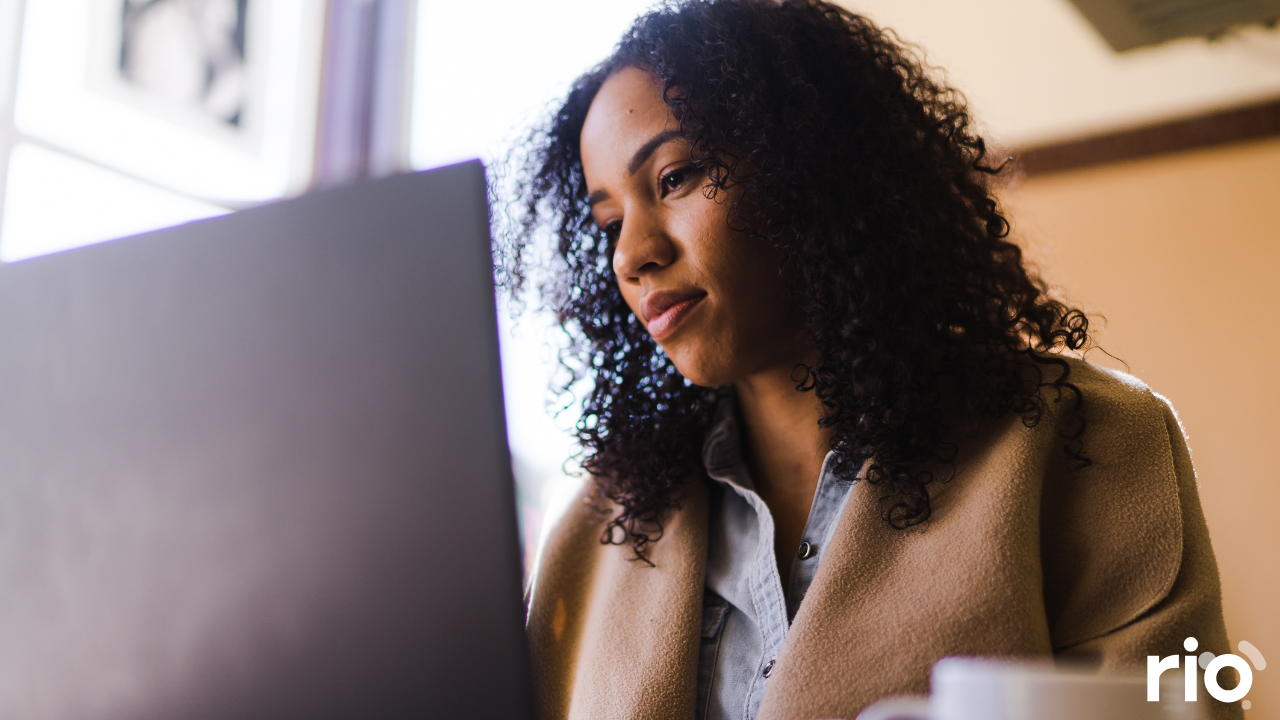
(187,52)
(215,99)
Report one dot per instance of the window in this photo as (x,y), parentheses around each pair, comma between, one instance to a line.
(122,116)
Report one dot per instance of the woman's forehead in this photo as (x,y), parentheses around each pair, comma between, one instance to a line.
(625,114)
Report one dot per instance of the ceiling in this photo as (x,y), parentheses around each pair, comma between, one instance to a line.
(1036,72)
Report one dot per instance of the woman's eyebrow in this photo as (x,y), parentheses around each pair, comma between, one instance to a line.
(637,160)
(647,149)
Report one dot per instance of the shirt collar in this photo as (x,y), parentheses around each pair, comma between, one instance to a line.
(722,448)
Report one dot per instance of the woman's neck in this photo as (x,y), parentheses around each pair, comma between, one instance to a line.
(784,449)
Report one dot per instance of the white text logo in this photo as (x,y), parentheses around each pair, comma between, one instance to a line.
(1212,666)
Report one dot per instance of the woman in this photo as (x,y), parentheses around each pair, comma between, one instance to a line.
(838,429)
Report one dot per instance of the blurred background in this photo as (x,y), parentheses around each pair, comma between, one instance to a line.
(1147,134)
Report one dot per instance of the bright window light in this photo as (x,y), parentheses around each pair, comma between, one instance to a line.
(485,71)
(55,203)
(484,74)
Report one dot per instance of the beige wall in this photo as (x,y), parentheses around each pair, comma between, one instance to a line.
(1035,71)
(1181,255)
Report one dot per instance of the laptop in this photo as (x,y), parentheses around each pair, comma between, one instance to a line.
(256,467)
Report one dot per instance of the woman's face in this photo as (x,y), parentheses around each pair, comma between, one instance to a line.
(712,297)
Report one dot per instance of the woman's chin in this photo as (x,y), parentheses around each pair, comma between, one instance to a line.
(699,369)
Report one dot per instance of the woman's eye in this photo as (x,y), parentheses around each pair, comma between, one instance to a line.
(674,179)
(613,230)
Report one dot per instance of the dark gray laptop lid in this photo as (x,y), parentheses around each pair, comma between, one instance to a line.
(256,467)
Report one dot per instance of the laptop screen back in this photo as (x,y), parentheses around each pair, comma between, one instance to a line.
(256,467)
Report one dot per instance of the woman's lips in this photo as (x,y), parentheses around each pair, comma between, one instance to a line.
(664,310)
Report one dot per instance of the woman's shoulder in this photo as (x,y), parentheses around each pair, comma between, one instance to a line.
(1091,416)
(1105,497)
(1112,396)
(1113,529)
(1132,440)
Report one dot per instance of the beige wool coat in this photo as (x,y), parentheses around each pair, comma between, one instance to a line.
(1022,557)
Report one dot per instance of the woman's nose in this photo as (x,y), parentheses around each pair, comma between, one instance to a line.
(642,247)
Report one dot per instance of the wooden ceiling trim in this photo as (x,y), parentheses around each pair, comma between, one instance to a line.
(1241,124)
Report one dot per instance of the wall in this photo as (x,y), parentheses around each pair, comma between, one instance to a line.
(1181,255)
(1035,71)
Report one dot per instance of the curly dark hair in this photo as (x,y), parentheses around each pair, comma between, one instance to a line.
(864,170)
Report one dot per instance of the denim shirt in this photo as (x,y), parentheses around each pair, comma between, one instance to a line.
(746,612)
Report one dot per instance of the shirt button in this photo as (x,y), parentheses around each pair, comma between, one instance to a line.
(768,668)
(807,551)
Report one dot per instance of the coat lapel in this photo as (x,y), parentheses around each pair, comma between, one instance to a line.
(886,603)
(613,637)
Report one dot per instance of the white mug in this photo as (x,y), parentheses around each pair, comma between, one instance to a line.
(977,689)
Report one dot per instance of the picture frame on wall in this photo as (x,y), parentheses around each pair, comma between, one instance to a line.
(215,99)
(187,56)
